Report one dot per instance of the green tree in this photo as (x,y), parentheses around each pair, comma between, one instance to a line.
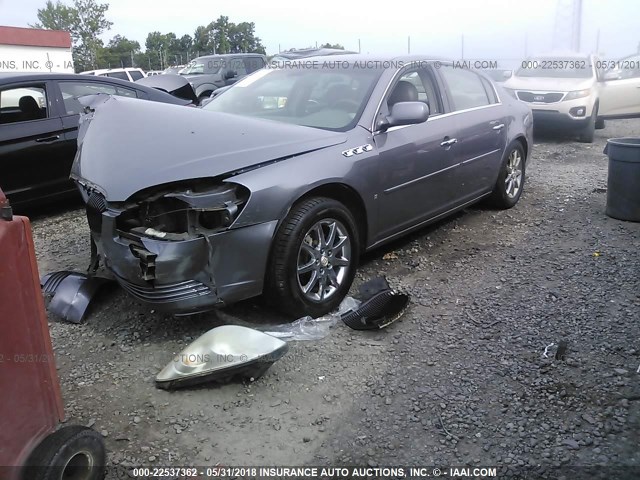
(85,21)
(201,41)
(219,32)
(120,52)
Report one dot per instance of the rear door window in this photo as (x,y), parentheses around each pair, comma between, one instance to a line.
(253,63)
(237,65)
(135,75)
(465,86)
(72,91)
(120,75)
(23,104)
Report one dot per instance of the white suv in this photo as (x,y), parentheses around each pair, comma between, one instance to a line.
(131,74)
(575,92)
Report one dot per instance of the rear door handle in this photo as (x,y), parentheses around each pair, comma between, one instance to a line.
(499,127)
(52,138)
(448,143)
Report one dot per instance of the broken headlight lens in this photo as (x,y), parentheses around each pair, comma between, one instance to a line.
(180,214)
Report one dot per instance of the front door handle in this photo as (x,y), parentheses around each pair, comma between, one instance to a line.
(499,127)
(52,138)
(448,143)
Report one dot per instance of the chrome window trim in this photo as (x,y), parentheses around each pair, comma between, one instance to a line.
(386,90)
(440,115)
(436,117)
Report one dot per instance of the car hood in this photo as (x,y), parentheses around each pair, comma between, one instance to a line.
(548,83)
(126,145)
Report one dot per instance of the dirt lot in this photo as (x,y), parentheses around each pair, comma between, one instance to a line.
(459,380)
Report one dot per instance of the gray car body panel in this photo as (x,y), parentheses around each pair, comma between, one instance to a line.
(186,143)
(405,180)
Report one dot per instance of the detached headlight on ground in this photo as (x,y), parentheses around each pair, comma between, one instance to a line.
(222,354)
(577,94)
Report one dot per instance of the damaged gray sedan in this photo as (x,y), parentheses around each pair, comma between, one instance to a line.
(280,184)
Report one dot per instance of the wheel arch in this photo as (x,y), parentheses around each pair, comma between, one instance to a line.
(525,145)
(346,195)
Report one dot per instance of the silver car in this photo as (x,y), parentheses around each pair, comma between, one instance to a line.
(279,185)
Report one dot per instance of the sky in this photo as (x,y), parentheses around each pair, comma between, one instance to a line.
(492,29)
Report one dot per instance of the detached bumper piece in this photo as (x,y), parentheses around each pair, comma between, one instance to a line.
(72,293)
(380,307)
(222,355)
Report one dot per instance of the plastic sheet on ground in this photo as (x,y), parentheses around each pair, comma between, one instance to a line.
(307,328)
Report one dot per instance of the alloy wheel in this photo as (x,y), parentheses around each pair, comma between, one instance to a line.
(513,180)
(323,259)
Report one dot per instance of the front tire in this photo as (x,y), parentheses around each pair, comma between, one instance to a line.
(588,132)
(73,452)
(510,183)
(314,258)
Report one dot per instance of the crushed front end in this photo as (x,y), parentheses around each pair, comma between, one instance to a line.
(174,246)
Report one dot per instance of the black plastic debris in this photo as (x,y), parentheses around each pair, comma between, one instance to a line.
(72,293)
(561,352)
(380,307)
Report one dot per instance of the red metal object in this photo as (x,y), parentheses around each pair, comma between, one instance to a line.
(34,37)
(30,405)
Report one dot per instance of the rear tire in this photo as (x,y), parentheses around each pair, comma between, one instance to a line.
(311,268)
(510,183)
(73,452)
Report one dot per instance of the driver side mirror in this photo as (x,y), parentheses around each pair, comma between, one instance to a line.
(230,74)
(405,113)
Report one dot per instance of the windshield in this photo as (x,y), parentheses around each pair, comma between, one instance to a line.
(327,98)
(557,67)
(203,65)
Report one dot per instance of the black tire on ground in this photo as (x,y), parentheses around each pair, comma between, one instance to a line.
(499,197)
(203,96)
(72,452)
(600,124)
(282,288)
(587,134)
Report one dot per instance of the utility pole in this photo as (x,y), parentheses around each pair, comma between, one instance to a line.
(568,25)
(577,25)
(359,49)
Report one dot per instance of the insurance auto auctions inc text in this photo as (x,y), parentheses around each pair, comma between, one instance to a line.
(356,472)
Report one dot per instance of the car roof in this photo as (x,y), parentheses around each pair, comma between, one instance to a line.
(28,76)
(358,57)
(10,77)
(229,55)
(312,52)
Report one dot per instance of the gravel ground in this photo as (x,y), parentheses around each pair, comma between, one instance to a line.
(460,380)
